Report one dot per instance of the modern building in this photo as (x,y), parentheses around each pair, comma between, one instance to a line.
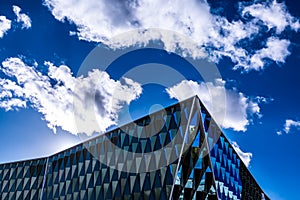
(176,153)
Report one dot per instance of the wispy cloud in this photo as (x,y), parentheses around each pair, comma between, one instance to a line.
(22,17)
(289,123)
(276,49)
(273,14)
(230,108)
(100,21)
(245,156)
(5,25)
(75,104)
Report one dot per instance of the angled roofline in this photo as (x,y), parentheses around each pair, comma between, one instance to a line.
(109,131)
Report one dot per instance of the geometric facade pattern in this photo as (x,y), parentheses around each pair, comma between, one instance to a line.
(176,153)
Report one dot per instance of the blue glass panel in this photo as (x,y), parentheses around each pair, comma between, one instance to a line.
(226,147)
(199,162)
(222,141)
(191,174)
(196,142)
(218,165)
(230,153)
(220,155)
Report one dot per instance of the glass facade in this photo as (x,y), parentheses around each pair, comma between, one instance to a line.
(176,153)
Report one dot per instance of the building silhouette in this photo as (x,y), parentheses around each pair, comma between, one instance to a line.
(176,153)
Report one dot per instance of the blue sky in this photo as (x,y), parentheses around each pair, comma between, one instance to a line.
(65,66)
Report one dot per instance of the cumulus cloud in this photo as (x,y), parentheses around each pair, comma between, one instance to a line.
(289,123)
(84,104)
(5,25)
(245,156)
(22,18)
(101,21)
(230,108)
(10,94)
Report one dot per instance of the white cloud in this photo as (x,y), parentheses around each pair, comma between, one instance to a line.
(237,107)
(101,21)
(245,156)
(261,99)
(5,25)
(12,103)
(8,91)
(289,123)
(77,105)
(273,14)
(21,17)
(276,50)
